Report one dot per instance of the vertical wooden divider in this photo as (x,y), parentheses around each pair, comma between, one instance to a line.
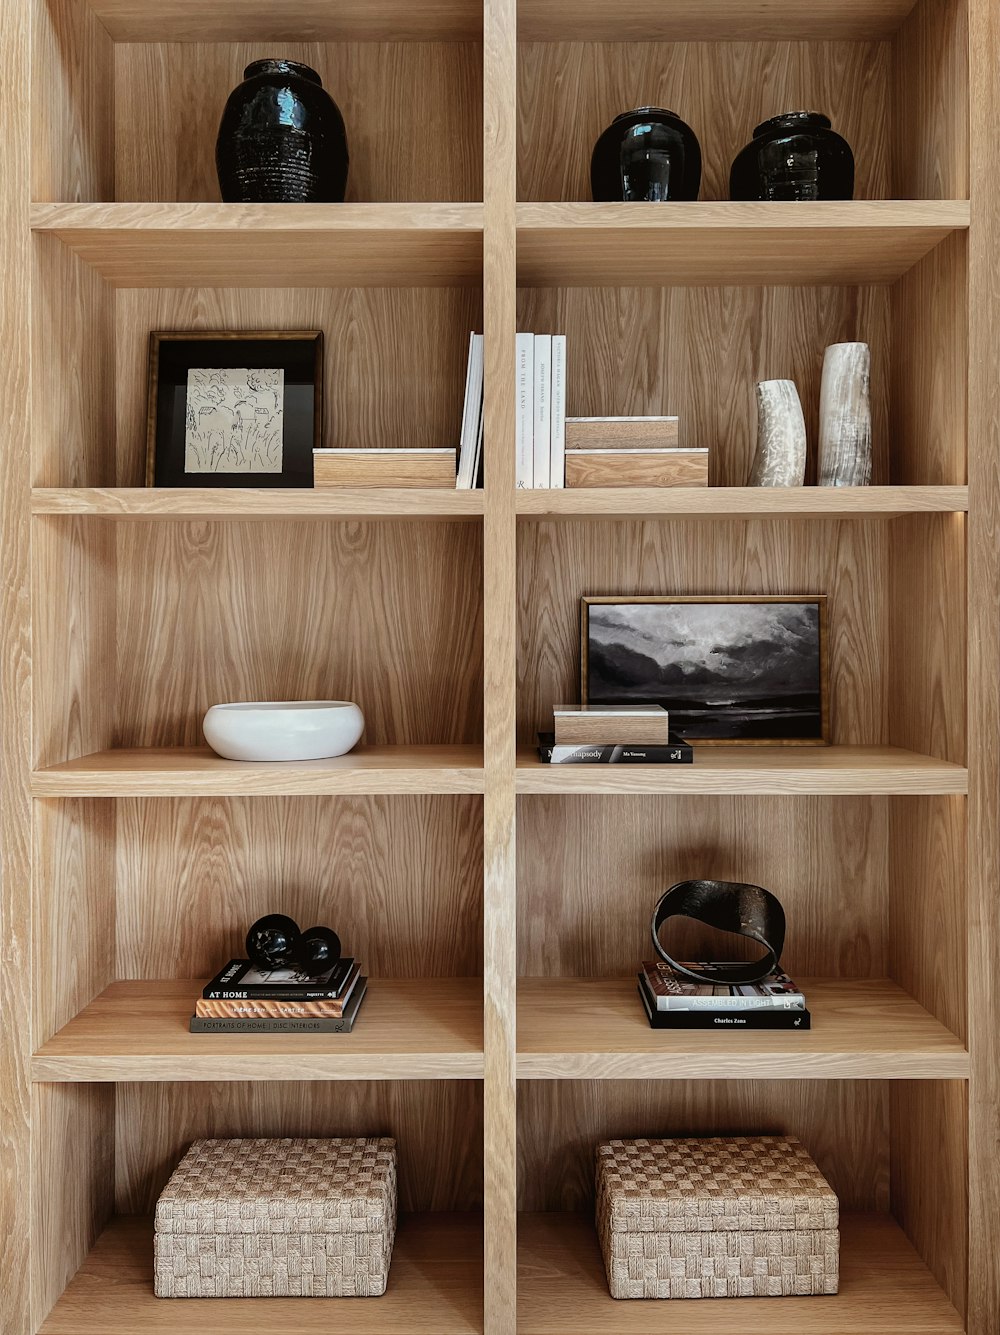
(500,641)
(984,673)
(15,679)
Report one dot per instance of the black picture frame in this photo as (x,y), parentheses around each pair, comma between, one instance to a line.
(728,674)
(272,420)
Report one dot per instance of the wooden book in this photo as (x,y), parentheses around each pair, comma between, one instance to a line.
(384,468)
(636,468)
(622,433)
(611,725)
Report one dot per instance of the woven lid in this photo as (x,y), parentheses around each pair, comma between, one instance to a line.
(281,1186)
(740,1182)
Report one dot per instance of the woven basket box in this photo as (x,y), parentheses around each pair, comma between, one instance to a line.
(277,1219)
(743,1217)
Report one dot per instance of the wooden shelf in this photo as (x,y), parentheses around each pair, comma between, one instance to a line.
(760,770)
(730,502)
(435,1286)
(272,245)
(272,503)
(706,20)
(414,1028)
(884,1287)
(305,21)
(197,771)
(725,244)
(596,1029)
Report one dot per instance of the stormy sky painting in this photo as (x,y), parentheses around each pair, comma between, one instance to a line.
(738,671)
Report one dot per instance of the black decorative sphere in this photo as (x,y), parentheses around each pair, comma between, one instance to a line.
(319,951)
(273,942)
(797,157)
(282,139)
(648,154)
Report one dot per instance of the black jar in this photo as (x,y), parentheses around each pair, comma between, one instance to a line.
(282,139)
(648,154)
(796,156)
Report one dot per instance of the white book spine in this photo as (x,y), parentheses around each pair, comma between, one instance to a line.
(557,462)
(543,409)
(466,443)
(525,439)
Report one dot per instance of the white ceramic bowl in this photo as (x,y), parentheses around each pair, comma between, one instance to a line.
(291,730)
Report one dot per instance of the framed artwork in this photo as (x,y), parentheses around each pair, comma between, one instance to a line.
(749,671)
(234,409)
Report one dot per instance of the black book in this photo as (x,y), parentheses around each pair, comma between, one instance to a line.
(242,981)
(721,1020)
(200,1025)
(676,752)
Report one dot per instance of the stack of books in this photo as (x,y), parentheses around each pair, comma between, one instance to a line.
(244,999)
(541,410)
(612,735)
(672,1001)
(631,452)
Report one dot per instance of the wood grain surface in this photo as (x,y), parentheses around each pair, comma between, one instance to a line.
(414,1028)
(842,1123)
(596,1028)
(412,110)
(674,503)
(884,1286)
(437,1126)
(435,1288)
(698,352)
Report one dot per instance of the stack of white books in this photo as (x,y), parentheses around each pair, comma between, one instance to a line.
(541,410)
(470,452)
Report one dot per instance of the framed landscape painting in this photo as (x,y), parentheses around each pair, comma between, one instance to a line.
(234,409)
(742,670)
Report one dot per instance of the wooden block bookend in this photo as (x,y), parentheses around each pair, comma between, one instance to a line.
(384,468)
(636,468)
(611,725)
(622,433)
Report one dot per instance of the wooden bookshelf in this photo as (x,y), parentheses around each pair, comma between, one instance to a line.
(500,905)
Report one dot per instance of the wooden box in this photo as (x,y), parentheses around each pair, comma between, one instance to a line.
(611,725)
(741,1217)
(636,468)
(622,433)
(384,468)
(277,1219)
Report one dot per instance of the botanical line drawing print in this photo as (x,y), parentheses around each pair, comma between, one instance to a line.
(234,420)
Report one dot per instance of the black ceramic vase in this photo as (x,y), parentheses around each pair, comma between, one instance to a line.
(796,156)
(648,154)
(282,139)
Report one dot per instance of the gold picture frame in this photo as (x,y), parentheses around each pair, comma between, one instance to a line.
(756,715)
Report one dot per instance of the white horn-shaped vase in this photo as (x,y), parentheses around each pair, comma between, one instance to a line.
(845,417)
(781,436)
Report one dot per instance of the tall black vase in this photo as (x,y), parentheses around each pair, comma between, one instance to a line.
(796,156)
(648,154)
(282,139)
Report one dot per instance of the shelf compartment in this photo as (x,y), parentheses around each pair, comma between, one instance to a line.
(435,1285)
(752,502)
(197,771)
(701,20)
(596,1029)
(272,245)
(764,770)
(263,503)
(275,21)
(720,244)
(884,1286)
(408,1029)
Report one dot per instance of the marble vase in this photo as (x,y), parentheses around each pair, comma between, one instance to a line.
(845,417)
(781,436)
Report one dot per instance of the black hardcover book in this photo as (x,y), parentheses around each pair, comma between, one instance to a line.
(342,1026)
(677,752)
(242,981)
(722,1020)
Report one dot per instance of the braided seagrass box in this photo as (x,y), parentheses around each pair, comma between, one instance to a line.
(743,1217)
(277,1219)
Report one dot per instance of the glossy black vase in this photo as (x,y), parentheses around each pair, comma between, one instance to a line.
(648,154)
(796,156)
(282,139)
